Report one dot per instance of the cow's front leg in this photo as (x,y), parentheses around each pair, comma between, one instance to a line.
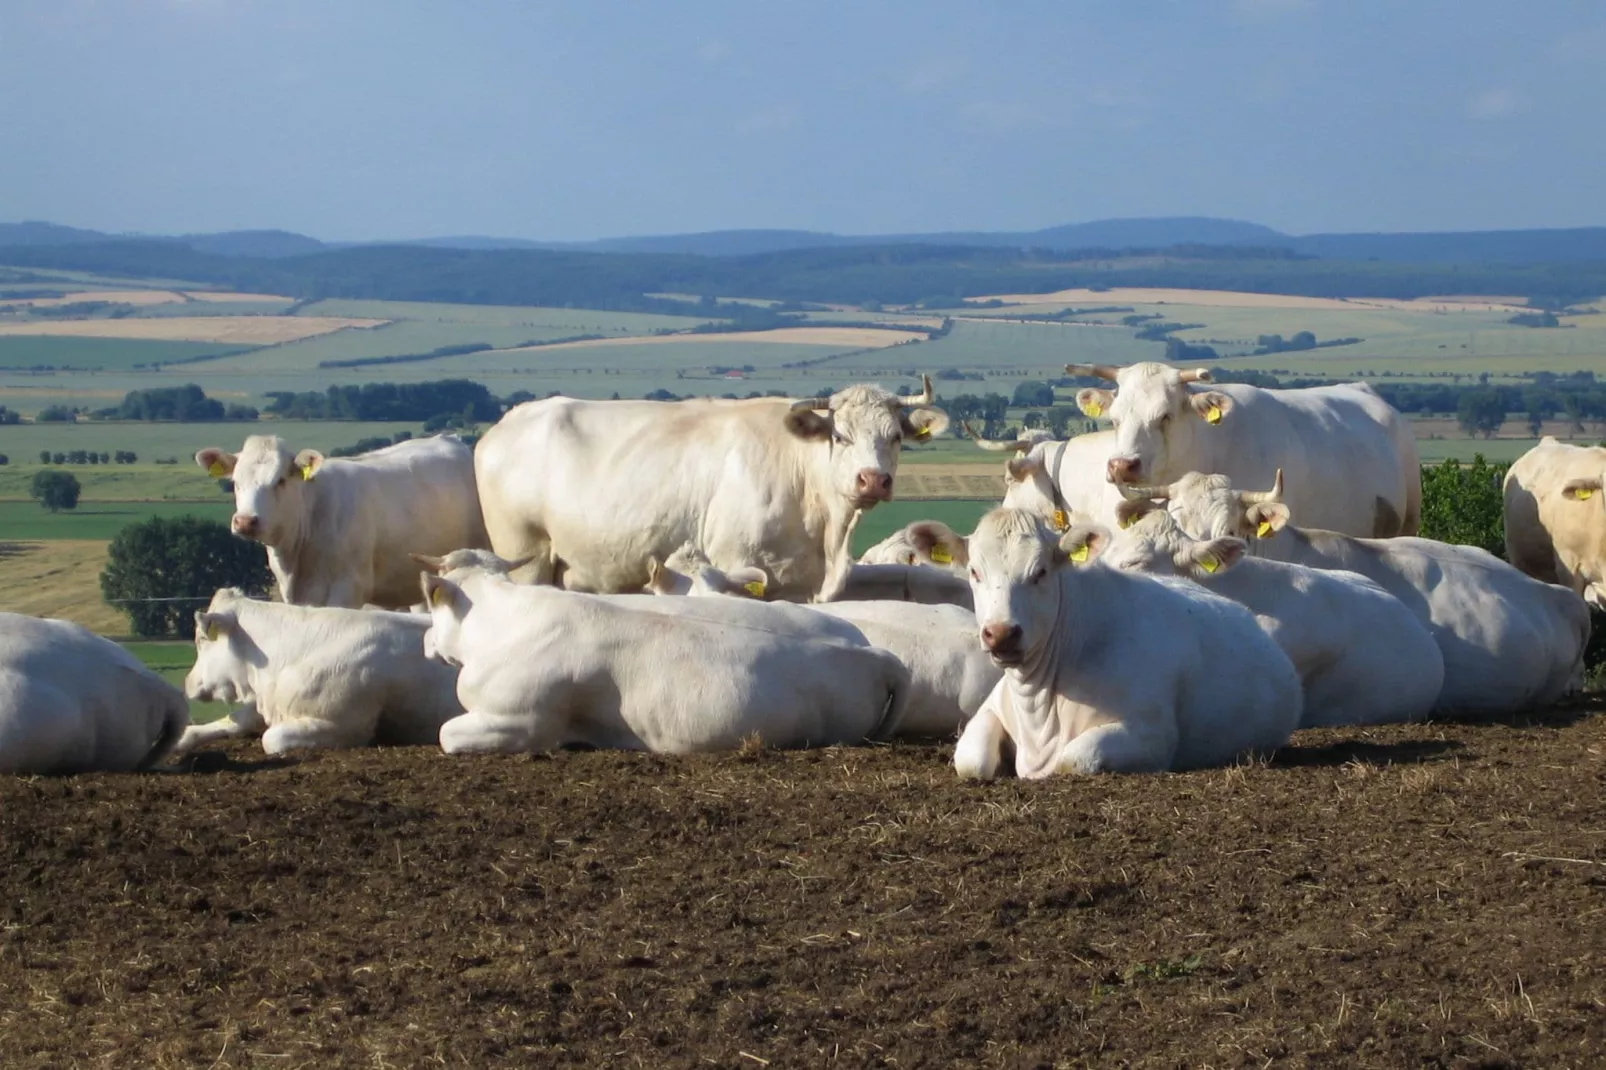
(306,733)
(1113,748)
(980,749)
(497,733)
(239,724)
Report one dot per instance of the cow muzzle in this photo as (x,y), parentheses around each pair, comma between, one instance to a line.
(246,525)
(1003,642)
(871,486)
(1124,469)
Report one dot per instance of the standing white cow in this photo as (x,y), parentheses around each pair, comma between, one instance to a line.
(1353,455)
(1555,530)
(338,531)
(1509,642)
(543,667)
(1363,657)
(1063,481)
(1109,671)
(594,489)
(315,676)
(72,702)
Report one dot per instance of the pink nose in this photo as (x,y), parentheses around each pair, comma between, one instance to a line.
(1124,469)
(245,524)
(875,484)
(1001,638)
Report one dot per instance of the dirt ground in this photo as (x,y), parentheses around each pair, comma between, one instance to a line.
(1426,896)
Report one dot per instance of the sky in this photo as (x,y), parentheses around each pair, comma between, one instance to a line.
(371,119)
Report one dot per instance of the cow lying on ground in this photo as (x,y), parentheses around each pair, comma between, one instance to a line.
(894,571)
(1362,656)
(1555,530)
(1109,671)
(542,668)
(1062,481)
(311,677)
(592,490)
(1354,456)
(72,702)
(338,531)
(1509,642)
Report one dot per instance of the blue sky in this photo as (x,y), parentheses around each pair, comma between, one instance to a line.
(362,119)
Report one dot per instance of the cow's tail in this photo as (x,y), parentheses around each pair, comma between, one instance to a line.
(897,701)
(175,719)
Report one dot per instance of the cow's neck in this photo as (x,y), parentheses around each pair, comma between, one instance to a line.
(1036,698)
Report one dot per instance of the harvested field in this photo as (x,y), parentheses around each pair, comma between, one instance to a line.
(246,330)
(862,337)
(1129,295)
(1409,896)
(143,297)
(952,481)
(58,578)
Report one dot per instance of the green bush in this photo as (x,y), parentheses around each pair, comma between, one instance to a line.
(1462,503)
(56,490)
(185,558)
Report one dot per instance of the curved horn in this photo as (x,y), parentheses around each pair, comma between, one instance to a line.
(432,564)
(996,445)
(1100,371)
(811,403)
(1134,492)
(926,397)
(1196,375)
(1275,494)
(514,566)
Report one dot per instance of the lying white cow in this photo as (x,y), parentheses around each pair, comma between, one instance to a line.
(1064,482)
(338,531)
(1363,657)
(1354,456)
(1555,530)
(1109,671)
(317,677)
(1509,642)
(72,702)
(542,668)
(592,490)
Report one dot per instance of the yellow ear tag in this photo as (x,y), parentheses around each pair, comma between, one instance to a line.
(1212,415)
(437,597)
(1079,555)
(922,434)
(1264,531)
(941,555)
(306,472)
(1583,494)
(212,632)
(1093,408)
(755,588)
(216,470)
(1062,520)
(1210,564)
(1127,521)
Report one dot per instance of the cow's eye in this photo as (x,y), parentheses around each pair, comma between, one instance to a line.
(912,559)
(975,576)
(841,439)
(1166,419)
(282,481)
(1037,577)
(897,439)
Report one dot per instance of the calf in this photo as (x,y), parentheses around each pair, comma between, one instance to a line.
(1555,530)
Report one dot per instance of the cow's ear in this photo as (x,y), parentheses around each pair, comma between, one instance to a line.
(1211,405)
(308,462)
(442,594)
(809,424)
(1128,513)
(937,544)
(1581,490)
(213,626)
(1082,544)
(1095,402)
(1202,560)
(219,464)
(1266,519)
(923,425)
(659,580)
(748,581)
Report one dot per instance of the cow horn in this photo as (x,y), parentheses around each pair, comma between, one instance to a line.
(1099,371)
(433,564)
(811,404)
(926,397)
(1195,375)
(1275,494)
(514,566)
(1134,492)
(997,445)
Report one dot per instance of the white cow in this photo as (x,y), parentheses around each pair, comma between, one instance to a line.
(1064,481)
(1509,642)
(316,677)
(1105,670)
(338,531)
(1363,657)
(72,702)
(1353,455)
(1555,530)
(593,490)
(542,668)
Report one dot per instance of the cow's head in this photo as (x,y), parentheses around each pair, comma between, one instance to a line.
(220,672)
(688,572)
(1014,561)
(448,605)
(1028,483)
(458,562)
(1208,507)
(865,428)
(1151,541)
(269,484)
(1156,414)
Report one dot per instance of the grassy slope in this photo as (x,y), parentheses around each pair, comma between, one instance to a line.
(27,351)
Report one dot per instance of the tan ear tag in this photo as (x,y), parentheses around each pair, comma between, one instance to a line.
(212,631)
(1062,520)
(1093,408)
(216,470)
(755,588)
(1210,563)
(1265,530)
(1212,415)
(1583,494)
(941,555)
(1079,555)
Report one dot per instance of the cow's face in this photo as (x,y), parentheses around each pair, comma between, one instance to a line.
(1150,541)
(1209,507)
(1029,487)
(220,670)
(448,605)
(1156,416)
(687,572)
(1013,561)
(865,428)
(270,483)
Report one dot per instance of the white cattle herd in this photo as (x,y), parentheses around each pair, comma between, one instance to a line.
(677,577)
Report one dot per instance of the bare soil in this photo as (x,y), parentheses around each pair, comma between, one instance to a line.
(1423,896)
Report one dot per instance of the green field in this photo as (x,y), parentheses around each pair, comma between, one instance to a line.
(171,661)
(888,517)
(118,354)
(28,521)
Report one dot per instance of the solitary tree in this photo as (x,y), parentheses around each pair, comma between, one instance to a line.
(56,490)
(1481,412)
(161,571)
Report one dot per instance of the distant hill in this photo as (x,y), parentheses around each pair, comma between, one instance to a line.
(1463,247)
(258,243)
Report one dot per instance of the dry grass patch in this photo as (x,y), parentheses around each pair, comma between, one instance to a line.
(951,481)
(58,578)
(859,337)
(243,330)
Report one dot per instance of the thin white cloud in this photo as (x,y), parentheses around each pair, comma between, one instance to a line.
(1494,103)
